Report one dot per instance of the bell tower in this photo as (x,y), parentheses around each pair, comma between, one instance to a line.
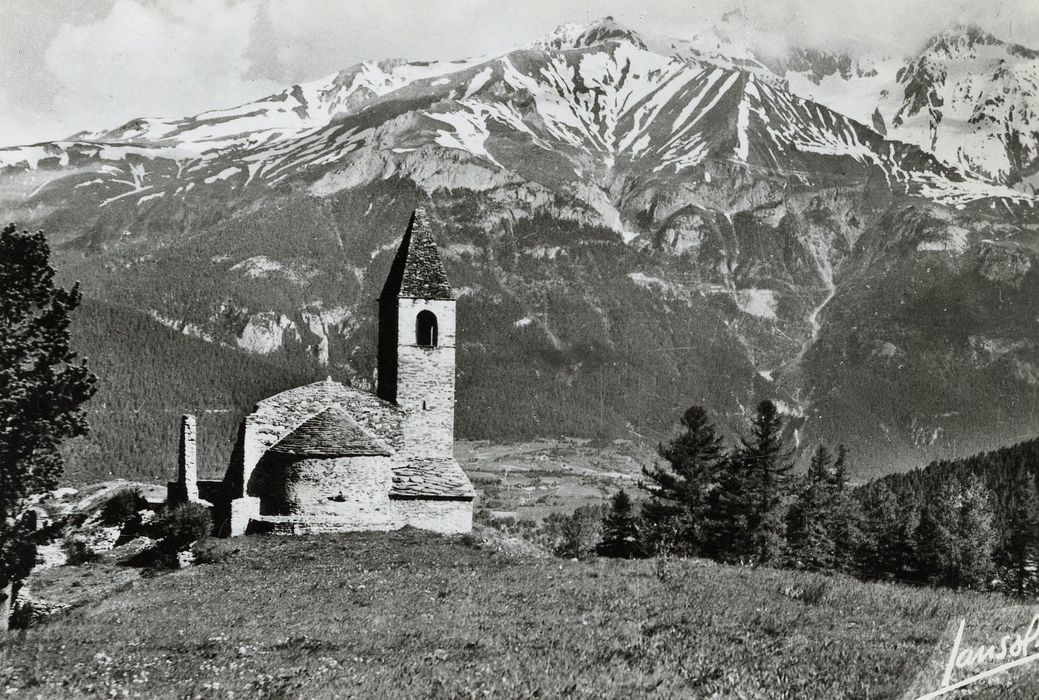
(416,363)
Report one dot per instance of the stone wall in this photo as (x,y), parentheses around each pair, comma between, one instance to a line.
(347,487)
(313,525)
(445,517)
(187,466)
(242,511)
(212,491)
(279,415)
(407,314)
(426,380)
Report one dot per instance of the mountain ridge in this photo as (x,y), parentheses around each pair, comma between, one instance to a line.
(631,230)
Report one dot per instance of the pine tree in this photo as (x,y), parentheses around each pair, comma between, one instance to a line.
(809,542)
(1020,550)
(906,565)
(937,546)
(731,514)
(883,546)
(675,515)
(976,537)
(42,386)
(845,517)
(619,531)
(767,463)
(579,533)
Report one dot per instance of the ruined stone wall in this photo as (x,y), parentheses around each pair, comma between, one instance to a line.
(445,517)
(187,468)
(347,487)
(426,380)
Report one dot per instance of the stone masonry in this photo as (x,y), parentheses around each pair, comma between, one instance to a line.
(188,471)
(185,488)
(426,380)
(326,457)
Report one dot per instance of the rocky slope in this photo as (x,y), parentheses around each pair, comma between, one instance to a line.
(631,226)
(968,97)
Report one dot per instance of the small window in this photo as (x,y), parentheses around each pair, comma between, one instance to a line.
(426,329)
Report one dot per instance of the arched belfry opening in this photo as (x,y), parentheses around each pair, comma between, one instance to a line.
(426,329)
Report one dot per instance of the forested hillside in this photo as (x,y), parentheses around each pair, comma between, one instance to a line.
(134,417)
(1010,475)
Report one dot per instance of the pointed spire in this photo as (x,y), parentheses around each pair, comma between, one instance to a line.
(417,271)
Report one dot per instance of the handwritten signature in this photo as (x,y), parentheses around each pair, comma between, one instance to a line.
(1014,649)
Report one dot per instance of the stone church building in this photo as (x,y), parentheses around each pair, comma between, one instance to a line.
(327,457)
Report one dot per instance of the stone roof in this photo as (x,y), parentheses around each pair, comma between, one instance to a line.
(331,433)
(431,478)
(325,391)
(417,271)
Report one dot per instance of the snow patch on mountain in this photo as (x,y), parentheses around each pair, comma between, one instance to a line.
(597,97)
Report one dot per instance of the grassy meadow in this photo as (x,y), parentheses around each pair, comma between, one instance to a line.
(411,614)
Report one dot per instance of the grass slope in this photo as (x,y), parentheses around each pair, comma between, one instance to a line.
(410,614)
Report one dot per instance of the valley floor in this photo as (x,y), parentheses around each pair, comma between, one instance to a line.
(410,614)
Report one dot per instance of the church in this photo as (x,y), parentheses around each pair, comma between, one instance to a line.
(327,457)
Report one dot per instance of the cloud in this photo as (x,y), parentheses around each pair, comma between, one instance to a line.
(899,27)
(166,59)
(66,65)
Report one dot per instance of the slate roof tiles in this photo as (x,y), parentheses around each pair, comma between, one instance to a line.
(417,271)
(431,478)
(331,433)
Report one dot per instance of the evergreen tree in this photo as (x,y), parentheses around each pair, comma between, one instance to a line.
(906,564)
(42,386)
(1020,549)
(619,531)
(731,514)
(809,541)
(579,533)
(767,464)
(888,530)
(976,539)
(937,546)
(845,516)
(675,516)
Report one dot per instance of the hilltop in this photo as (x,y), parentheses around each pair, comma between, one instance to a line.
(420,615)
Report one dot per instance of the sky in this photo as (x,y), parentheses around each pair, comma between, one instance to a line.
(73,65)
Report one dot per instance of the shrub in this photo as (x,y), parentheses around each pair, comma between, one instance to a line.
(180,526)
(810,593)
(78,551)
(579,532)
(214,551)
(122,507)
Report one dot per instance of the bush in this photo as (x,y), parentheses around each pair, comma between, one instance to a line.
(579,533)
(123,507)
(79,551)
(811,593)
(180,526)
(214,551)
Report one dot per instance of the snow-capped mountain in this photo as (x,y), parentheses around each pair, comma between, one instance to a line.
(595,97)
(969,98)
(677,211)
